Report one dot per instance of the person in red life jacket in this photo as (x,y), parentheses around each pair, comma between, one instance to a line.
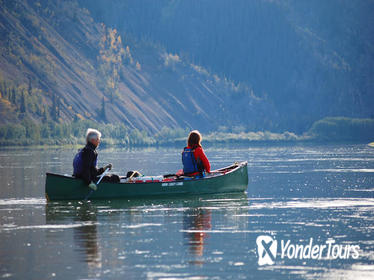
(85,161)
(195,162)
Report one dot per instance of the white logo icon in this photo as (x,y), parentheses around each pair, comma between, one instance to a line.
(266,249)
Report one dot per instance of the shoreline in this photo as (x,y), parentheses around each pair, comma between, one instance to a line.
(180,143)
(327,130)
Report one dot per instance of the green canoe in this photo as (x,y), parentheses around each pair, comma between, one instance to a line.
(233,178)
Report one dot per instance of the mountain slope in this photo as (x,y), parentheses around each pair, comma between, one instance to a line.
(60,59)
(311,58)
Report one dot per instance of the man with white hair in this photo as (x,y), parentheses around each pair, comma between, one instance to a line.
(85,161)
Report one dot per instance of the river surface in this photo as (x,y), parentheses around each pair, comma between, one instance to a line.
(305,194)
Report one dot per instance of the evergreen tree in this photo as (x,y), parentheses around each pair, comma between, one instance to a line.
(3,89)
(54,107)
(22,106)
(58,108)
(13,96)
(29,88)
(45,114)
(102,111)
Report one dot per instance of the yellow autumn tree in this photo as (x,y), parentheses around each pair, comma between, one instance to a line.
(111,58)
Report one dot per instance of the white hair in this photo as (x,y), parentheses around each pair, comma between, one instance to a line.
(92,134)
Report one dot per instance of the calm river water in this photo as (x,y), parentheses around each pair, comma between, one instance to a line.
(298,193)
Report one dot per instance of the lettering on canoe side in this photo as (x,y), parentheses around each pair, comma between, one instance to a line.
(172,184)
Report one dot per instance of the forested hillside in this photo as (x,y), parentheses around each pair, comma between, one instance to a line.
(211,64)
(58,64)
(311,58)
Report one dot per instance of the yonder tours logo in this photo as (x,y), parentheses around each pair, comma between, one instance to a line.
(267,248)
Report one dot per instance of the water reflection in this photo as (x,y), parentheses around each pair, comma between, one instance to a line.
(195,222)
(85,232)
(85,237)
(181,237)
(128,221)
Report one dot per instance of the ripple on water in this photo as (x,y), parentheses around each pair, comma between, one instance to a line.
(7,227)
(315,203)
(356,271)
(141,225)
(24,201)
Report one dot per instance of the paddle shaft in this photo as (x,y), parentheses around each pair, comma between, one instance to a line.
(97,183)
(102,176)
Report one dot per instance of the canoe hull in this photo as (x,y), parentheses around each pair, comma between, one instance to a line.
(60,187)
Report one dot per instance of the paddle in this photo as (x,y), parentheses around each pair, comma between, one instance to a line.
(97,183)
